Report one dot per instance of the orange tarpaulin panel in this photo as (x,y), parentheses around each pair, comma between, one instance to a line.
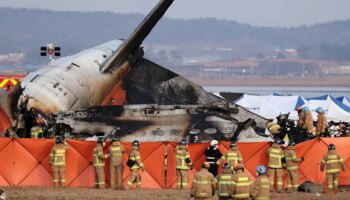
(152,156)
(85,179)
(38,177)
(75,164)
(24,162)
(16,162)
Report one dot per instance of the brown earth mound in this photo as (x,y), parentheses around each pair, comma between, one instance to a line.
(145,194)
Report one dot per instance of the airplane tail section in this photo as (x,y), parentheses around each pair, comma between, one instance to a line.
(130,45)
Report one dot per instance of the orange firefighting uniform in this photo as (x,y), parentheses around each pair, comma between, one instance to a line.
(233,156)
(275,154)
(225,184)
(134,170)
(99,165)
(292,168)
(182,166)
(321,123)
(203,185)
(261,190)
(241,185)
(332,160)
(116,164)
(58,162)
(308,122)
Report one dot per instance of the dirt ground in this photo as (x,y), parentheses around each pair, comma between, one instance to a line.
(146,194)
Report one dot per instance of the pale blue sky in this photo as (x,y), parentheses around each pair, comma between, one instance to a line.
(256,12)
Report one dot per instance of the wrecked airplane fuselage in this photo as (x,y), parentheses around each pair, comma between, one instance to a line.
(161,105)
(197,123)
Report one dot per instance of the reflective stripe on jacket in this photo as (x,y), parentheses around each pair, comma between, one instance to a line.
(117,151)
(99,157)
(332,160)
(261,190)
(181,156)
(58,155)
(242,183)
(233,157)
(135,156)
(291,158)
(275,154)
(225,183)
(204,184)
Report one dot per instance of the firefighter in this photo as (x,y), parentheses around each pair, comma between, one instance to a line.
(321,122)
(183,162)
(275,155)
(308,121)
(212,154)
(273,128)
(233,156)
(292,167)
(36,132)
(225,182)
(116,165)
(135,163)
(58,161)
(204,184)
(99,163)
(261,190)
(301,117)
(332,160)
(241,183)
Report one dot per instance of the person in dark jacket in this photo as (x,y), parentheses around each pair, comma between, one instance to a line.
(212,155)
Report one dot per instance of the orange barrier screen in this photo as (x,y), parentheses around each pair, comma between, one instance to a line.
(29,166)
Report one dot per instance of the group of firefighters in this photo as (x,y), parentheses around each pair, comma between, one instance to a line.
(233,182)
(116,150)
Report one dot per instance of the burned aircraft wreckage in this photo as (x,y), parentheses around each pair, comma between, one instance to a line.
(71,93)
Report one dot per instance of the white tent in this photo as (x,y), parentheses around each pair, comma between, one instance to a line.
(258,105)
(285,104)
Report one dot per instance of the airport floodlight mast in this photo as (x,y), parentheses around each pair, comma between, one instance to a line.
(50,50)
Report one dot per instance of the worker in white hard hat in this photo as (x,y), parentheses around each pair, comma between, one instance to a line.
(212,155)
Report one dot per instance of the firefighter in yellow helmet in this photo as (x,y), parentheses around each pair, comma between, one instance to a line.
(275,155)
(241,183)
(99,163)
(204,184)
(58,161)
(292,167)
(225,182)
(116,165)
(261,190)
(233,156)
(183,162)
(134,162)
(333,161)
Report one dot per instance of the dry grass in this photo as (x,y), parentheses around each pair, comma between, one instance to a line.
(39,193)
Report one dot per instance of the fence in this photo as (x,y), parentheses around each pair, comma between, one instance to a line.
(24,162)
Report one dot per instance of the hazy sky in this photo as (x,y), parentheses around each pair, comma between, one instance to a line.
(256,12)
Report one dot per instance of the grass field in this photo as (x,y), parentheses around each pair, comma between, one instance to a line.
(39,193)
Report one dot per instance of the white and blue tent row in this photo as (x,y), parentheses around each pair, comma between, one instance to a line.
(286,104)
(334,109)
(258,105)
(344,100)
(270,106)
